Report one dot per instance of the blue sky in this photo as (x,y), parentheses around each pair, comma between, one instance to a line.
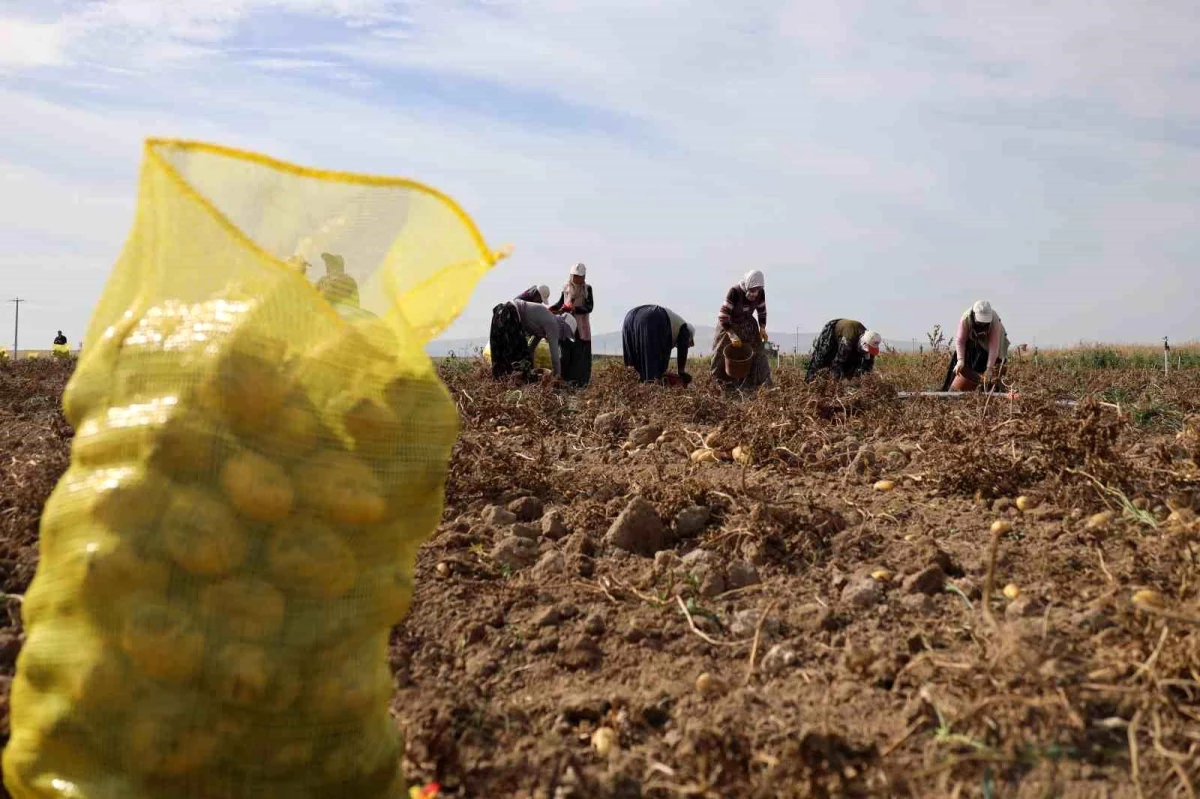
(890,162)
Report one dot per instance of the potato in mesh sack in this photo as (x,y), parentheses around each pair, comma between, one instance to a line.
(254,470)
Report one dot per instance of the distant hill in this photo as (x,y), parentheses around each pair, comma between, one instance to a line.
(610,344)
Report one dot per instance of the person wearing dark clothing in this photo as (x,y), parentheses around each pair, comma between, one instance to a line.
(577,300)
(508,344)
(535,294)
(736,325)
(60,340)
(648,335)
(844,349)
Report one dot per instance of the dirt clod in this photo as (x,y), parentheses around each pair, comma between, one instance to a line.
(929,581)
(554,526)
(638,529)
(526,509)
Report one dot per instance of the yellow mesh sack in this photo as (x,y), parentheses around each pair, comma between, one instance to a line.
(253,471)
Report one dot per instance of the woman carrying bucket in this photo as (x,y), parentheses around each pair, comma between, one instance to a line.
(739,357)
(980,349)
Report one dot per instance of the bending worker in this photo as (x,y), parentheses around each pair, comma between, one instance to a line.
(845,349)
(980,347)
(736,327)
(535,294)
(648,335)
(539,322)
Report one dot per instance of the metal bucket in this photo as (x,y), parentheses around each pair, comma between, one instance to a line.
(738,360)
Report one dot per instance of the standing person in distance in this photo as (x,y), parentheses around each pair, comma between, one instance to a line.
(648,335)
(736,326)
(577,300)
(980,347)
(60,340)
(845,349)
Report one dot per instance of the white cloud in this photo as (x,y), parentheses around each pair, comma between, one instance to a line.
(25,44)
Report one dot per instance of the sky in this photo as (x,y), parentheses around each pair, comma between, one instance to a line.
(885,161)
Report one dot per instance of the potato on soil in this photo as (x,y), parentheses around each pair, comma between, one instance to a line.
(257,487)
(201,534)
(162,641)
(246,608)
(342,488)
(308,558)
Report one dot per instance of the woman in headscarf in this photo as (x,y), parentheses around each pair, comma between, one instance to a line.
(844,349)
(535,294)
(576,299)
(980,346)
(736,326)
(648,335)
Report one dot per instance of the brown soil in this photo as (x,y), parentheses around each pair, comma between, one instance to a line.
(823,679)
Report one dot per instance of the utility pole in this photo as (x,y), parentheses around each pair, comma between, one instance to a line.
(16,301)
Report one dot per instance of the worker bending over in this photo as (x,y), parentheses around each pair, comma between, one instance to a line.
(648,335)
(980,349)
(844,349)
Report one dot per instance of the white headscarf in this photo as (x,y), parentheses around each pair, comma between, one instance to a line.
(753,280)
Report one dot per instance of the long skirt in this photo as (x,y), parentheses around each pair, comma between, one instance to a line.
(824,350)
(508,345)
(760,368)
(646,341)
(576,362)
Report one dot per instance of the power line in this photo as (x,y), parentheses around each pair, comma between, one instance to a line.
(16,301)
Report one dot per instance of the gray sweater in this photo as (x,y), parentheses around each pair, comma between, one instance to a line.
(539,322)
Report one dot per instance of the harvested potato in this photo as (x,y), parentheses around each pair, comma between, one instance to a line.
(202,535)
(309,558)
(341,488)
(248,609)
(162,642)
(257,487)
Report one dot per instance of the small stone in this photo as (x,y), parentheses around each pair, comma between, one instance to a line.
(665,561)
(692,521)
(551,564)
(607,422)
(745,623)
(741,574)
(595,625)
(498,516)
(919,603)
(929,580)
(1023,607)
(862,592)
(582,653)
(525,531)
(646,434)
(526,509)
(515,553)
(696,557)
(712,582)
(638,529)
(778,658)
(553,526)
(579,544)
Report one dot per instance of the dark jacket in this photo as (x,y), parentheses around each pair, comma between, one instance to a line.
(838,350)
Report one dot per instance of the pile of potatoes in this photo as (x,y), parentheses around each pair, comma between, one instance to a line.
(222,562)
